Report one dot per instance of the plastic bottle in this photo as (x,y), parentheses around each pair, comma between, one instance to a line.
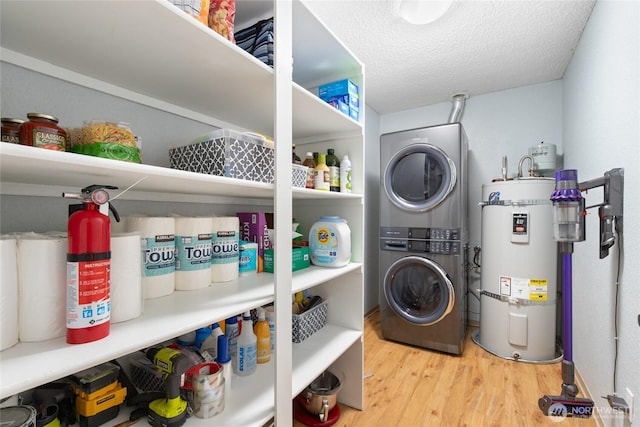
(201,335)
(345,175)
(271,319)
(232,330)
(321,174)
(311,164)
(263,335)
(330,242)
(188,339)
(334,170)
(247,348)
(224,359)
(210,344)
(294,157)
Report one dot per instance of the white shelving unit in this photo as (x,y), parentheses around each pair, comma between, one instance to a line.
(135,51)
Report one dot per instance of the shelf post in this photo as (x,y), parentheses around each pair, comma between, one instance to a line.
(283,72)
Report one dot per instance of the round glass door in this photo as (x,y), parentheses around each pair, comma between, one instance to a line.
(419,177)
(419,290)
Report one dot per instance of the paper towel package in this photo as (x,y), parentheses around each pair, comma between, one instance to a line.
(9,292)
(193,253)
(157,239)
(126,277)
(42,278)
(253,228)
(224,248)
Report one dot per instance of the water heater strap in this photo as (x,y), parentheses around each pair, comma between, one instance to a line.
(511,300)
(525,202)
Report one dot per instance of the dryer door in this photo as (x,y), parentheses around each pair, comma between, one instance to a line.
(419,177)
(419,290)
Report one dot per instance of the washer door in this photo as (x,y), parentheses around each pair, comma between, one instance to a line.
(419,290)
(419,177)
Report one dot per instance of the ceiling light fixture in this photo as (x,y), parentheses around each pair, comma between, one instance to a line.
(420,12)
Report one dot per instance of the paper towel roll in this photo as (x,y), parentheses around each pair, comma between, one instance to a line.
(42,278)
(126,277)
(193,253)
(8,292)
(157,237)
(224,248)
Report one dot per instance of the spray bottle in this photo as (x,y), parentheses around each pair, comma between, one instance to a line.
(89,265)
(263,335)
(247,348)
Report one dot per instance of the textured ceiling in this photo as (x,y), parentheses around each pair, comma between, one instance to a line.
(477,47)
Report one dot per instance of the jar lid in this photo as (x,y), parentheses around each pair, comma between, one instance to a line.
(331,219)
(42,116)
(12,120)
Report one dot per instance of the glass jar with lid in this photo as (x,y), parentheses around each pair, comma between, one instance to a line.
(42,131)
(11,130)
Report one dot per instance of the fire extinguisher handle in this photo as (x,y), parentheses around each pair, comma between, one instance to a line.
(115,213)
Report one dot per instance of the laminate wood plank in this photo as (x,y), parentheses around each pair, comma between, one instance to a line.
(415,387)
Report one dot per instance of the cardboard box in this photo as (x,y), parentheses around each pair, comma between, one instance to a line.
(299,259)
(343,95)
(253,228)
(229,153)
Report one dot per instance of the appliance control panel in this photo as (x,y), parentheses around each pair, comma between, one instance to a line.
(422,233)
(421,240)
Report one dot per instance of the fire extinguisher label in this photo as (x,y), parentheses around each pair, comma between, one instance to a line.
(88,298)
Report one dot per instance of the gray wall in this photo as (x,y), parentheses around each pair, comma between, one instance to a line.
(602,131)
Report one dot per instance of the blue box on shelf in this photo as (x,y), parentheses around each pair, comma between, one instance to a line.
(343,95)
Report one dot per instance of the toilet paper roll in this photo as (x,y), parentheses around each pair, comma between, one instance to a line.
(8,292)
(193,253)
(42,279)
(126,277)
(157,238)
(224,248)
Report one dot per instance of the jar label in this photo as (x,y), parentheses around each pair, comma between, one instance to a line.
(49,139)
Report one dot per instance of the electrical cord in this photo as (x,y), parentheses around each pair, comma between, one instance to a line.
(615,312)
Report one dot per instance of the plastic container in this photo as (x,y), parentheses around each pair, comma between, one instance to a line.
(11,130)
(271,319)
(263,336)
(330,242)
(232,330)
(42,131)
(321,174)
(345,175)
(311,164)
(246,356)
(334,170)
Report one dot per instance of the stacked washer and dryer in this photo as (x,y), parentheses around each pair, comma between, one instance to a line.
(423,237)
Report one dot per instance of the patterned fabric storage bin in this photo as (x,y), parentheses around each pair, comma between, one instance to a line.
(226,152)
(309,322)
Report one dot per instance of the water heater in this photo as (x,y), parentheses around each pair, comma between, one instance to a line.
(519,270)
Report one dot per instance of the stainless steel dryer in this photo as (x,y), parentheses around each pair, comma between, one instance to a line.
(423,177)
(423,290)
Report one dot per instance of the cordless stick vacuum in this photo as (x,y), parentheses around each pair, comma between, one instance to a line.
(569,221)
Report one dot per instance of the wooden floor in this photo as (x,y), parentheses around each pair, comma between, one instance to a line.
(412,387)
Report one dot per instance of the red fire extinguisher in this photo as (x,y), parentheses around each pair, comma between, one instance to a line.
(89,265)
